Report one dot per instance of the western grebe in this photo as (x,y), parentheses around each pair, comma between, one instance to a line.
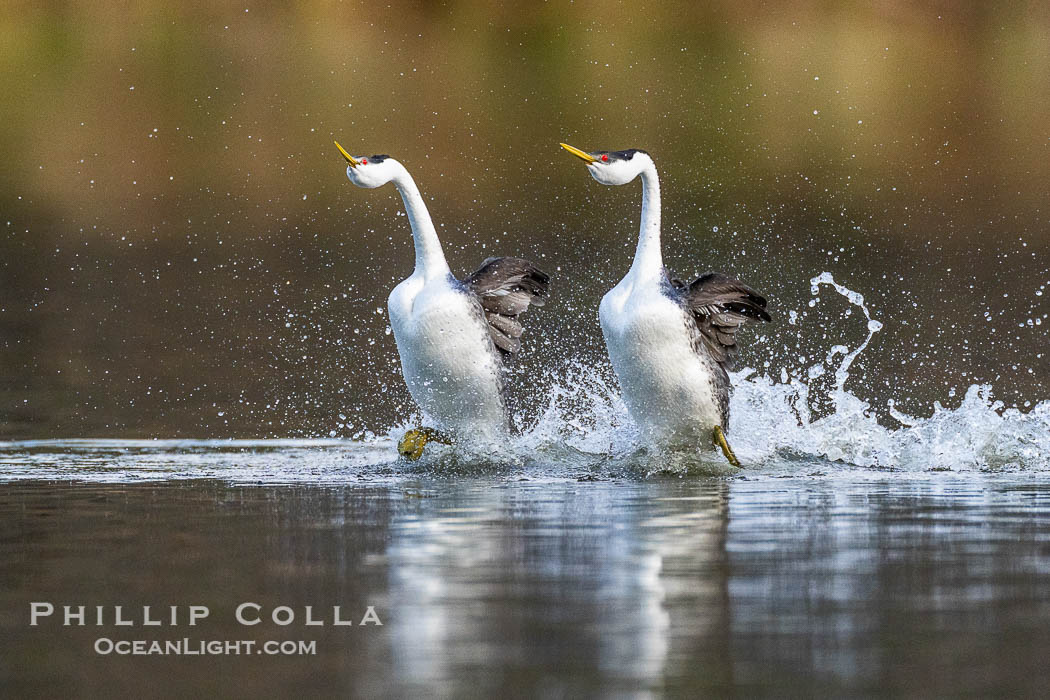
(670,343)
(451,334)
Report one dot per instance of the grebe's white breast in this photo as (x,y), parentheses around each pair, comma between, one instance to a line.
(670,390)
(448,359)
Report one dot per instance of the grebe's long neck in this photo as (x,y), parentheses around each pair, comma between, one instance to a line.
(648,260)
(430,259)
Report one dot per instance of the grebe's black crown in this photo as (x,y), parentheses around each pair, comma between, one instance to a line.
(623,155)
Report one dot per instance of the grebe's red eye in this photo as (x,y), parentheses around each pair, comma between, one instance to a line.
(364,161)
(605,158)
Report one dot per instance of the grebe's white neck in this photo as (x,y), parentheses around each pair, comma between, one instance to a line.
(430,259)
(648,260)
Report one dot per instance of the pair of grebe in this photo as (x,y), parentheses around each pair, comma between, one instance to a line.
(670,343)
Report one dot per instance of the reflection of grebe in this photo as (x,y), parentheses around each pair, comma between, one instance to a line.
(670,343)
(608,583)
(451,334)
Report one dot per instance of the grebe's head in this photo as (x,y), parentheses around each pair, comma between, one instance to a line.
(370,171)
(613,167)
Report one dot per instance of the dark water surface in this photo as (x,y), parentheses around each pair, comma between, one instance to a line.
(845,582)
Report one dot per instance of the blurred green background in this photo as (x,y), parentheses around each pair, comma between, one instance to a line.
(182,255)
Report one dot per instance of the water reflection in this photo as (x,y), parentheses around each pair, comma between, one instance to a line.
(598,584)
(487,586)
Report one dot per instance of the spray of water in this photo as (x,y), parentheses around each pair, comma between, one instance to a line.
(583,431)
(773,426)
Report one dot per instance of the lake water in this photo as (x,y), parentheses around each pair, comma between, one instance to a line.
(565,578)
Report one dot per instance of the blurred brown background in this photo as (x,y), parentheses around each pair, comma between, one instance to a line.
(181,254)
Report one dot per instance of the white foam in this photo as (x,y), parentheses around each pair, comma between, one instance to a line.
(772,419)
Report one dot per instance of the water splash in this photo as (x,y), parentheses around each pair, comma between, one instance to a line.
(772,420)
(857,299)
(583,431)
(773,427)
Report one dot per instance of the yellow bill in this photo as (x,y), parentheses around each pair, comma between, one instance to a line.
(349,158)
(586,157)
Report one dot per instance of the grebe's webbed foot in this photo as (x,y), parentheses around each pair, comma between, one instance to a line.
(719,439)
(411,444)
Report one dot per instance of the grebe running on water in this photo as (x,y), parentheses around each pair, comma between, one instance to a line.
(670,343)
(452,335)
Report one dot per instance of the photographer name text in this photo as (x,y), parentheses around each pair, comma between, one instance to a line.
(247,614)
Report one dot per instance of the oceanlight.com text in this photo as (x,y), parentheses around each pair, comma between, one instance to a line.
(203,647)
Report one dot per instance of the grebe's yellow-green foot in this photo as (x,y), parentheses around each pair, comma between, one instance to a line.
(411,444)
(718,438)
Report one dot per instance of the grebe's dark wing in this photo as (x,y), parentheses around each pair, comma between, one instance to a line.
(505,288)
(720,305)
